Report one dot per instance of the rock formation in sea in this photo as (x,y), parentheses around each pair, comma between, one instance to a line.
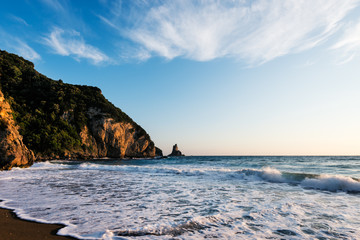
(176,151)
(55,120)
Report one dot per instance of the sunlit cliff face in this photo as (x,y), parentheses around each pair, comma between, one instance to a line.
(2,110)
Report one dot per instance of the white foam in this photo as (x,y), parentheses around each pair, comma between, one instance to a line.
(149,169)
(268,174)
(67,230)
(171,229)
(108,235)
(48,165)
(271,175)
(332,183)
(198,201)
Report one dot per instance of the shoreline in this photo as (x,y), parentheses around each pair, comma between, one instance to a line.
(14,228)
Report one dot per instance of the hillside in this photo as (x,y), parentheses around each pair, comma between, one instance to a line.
(59,120)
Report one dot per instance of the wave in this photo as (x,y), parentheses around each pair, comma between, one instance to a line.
(332,183)
(144,169)
(48,165)
(326,182)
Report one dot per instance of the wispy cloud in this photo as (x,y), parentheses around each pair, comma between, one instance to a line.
(255,31)
(25,50)
(349,43)
(109,23)
(64,13)
(18,46)
(54,4)
(70,43)
(18,19)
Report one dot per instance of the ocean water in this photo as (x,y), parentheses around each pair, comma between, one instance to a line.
(192,197)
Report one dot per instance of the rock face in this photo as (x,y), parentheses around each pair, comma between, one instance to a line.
(50,119)
(13,152)
(108,138)
(176,151)
(158,152)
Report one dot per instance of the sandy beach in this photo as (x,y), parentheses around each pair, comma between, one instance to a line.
(14,228)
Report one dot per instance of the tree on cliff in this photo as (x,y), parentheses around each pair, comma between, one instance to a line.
(52,115)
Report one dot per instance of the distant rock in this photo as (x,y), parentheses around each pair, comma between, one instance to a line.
(176,151)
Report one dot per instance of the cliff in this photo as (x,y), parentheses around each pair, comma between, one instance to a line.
(13,152)
(57,120)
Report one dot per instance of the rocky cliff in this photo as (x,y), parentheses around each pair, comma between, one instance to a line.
(108,138)
(13,152)
(56,120)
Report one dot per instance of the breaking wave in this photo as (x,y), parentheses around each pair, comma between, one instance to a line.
(325,182)
(332,183)
(190,198)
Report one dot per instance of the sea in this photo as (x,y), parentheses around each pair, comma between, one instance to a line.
(194,197)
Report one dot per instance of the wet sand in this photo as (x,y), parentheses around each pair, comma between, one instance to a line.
(14,228)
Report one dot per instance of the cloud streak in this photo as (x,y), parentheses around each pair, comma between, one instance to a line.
(349,43)
(70,43)
(255,31)
(18,46)
(54,4)
(18,19)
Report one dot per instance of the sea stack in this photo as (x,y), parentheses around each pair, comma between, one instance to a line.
(176,152)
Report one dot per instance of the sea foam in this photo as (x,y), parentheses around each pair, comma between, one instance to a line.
(190,198)
(322,182)
(174,230)
(332,183)
(315,181)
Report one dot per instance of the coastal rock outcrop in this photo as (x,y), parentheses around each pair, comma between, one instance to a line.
(13,152)
(176,151)
(109,138)
(158,152)
(55,120)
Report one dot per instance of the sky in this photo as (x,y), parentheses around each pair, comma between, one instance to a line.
(229,77)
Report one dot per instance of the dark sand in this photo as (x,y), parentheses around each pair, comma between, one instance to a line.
(14,228)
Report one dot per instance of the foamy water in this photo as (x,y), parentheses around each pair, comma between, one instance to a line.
(192,197)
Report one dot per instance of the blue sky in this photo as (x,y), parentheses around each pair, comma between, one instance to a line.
(260,77)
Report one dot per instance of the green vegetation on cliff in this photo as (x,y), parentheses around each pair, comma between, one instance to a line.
(51,114)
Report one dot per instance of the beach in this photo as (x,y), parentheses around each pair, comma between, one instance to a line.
(188,198)
(14,228)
